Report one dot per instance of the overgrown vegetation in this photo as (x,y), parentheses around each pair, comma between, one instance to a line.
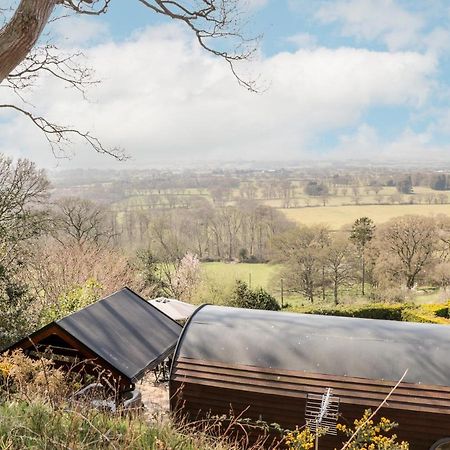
(36,412)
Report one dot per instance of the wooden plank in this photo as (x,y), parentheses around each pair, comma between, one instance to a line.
(422,411)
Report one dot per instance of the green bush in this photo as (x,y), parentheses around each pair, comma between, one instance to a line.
(438,314)
(17,317)
(75,299)
(372,311)
(244,297)
(438,310)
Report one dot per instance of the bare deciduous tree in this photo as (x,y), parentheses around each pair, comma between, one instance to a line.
(82,221)
(301,250)
(55,269)
(340,264)
(409,242)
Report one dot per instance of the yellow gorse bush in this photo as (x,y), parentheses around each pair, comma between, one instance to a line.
(5,368)
(30,378)
(300,440)
(370,436)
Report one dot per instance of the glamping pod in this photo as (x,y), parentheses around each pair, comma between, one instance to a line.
(121,335)
(265,364)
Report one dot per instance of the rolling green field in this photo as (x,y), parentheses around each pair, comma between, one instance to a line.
(260,275)
(338,216)
(224,275)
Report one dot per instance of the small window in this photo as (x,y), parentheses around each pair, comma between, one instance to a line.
(443,444)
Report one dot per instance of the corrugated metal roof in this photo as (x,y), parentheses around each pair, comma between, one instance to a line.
(366,348)
(175,309)
(125,331)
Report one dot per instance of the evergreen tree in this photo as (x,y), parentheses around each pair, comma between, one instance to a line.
(361,234)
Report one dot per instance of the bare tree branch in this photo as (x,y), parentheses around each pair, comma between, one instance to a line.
(58,135)
(214,19)
(48,60)
(89,7)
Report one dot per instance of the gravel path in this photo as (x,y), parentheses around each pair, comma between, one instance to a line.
(155,396)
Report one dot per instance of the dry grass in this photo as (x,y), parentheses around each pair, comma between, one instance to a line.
(338,216)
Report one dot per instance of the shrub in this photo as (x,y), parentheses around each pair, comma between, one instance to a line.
(38,425)
(372,311)
(300,440)
(73,300)
(373,435)
(243,254)
(438,314)
(427,314)
(244,297)
(17,316)
(23,378)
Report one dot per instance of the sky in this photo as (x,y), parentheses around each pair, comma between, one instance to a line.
(336,79)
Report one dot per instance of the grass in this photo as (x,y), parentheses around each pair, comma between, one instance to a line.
(36,424)
(35,413)
(339,216)
(257,275)
(223,276)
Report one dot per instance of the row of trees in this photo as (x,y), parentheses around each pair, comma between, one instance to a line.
(243,231)
(404,252)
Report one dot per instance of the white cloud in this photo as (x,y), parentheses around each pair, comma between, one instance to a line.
(163,98)
(303,40)
(409,146)
(384,20)
(438,40)
(79,30)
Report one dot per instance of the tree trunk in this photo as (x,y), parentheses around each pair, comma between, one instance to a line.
(363,273)
(323,283)
(336,300)
(410,281)
(21,33)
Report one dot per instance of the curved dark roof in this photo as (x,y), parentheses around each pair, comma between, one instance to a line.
(124,330)
(341,346)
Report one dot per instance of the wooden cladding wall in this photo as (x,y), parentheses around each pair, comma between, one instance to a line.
(199,387)
(81,358)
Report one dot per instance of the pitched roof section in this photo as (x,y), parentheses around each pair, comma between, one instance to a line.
(126,331)
(173,308)
(341,346)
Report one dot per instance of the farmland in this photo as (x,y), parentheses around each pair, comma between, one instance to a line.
(339,216)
